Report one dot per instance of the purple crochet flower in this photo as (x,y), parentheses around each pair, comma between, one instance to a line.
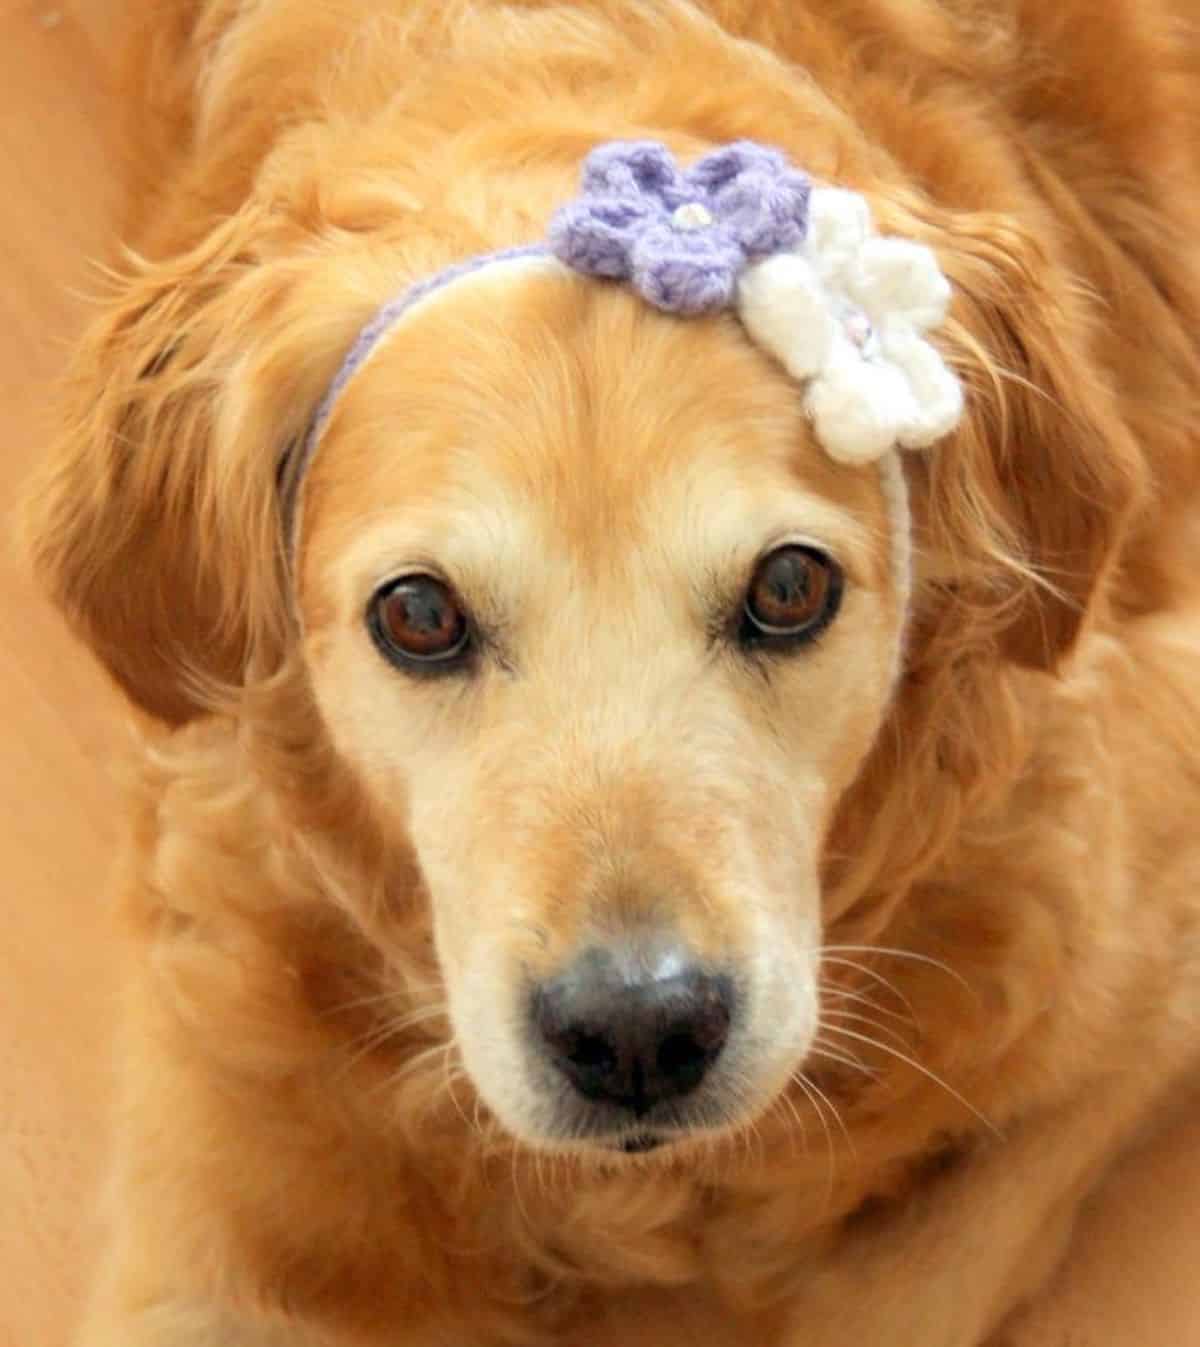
(680,237)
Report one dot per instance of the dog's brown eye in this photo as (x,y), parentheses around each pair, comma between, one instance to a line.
(793,595)
(418,620)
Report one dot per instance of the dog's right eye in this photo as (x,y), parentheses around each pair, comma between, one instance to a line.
(418,623)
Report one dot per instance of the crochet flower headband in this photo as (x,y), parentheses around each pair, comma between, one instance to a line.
(839,307)
(844,310)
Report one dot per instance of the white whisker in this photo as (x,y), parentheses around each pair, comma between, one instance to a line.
(845,994)
(814,1099)
(853,1015)
(823,1050)
(784,1101)
(451,1074)
(384,1032)
(875,977)
(902,954)
(924,1070)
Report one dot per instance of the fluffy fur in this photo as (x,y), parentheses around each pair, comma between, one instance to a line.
(990,876)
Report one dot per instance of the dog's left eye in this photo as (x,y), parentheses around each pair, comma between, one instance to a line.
(418,622)
(794,594)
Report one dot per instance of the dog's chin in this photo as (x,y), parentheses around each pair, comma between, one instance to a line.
(670,1136)
(635,1147)
(641,1143)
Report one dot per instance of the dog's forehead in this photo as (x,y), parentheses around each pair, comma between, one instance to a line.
(562,415)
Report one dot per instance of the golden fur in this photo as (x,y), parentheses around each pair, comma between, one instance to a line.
(991,878)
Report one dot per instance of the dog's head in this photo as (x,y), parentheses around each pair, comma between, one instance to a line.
(587,614)
(590,611)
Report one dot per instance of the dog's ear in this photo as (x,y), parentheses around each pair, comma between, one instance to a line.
(1022,513)
(154,522)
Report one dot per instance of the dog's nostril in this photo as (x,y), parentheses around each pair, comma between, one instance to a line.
(591,1052)
(622,1035)
(680,1055)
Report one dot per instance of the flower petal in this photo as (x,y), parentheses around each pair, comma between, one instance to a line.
(784,309)
(686,271)
(634,168)
(713,172)
(839,223)
(765,212)
(937,396)
(857,406)
(597,236)
(901,279)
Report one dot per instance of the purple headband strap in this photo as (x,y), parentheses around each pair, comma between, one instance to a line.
(680,238)
(295,463)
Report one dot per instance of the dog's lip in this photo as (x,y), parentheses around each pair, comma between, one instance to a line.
(640,1143)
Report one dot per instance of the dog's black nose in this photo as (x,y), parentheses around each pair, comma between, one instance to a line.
(634,1031)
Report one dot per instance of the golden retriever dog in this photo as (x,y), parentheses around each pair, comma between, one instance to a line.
(609,865)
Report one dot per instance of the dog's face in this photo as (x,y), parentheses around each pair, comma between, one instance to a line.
(602,629)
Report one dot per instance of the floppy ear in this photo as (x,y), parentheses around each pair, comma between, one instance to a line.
(154,523)
(1022,512)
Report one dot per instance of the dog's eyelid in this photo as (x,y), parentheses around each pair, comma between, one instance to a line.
(422,566)
(851,554)
(858,545)
(795,538)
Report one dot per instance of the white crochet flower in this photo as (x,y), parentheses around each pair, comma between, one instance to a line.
(847,314)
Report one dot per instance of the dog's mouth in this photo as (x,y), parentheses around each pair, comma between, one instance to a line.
(641,1143)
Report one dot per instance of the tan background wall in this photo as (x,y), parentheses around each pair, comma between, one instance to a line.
(58,720)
